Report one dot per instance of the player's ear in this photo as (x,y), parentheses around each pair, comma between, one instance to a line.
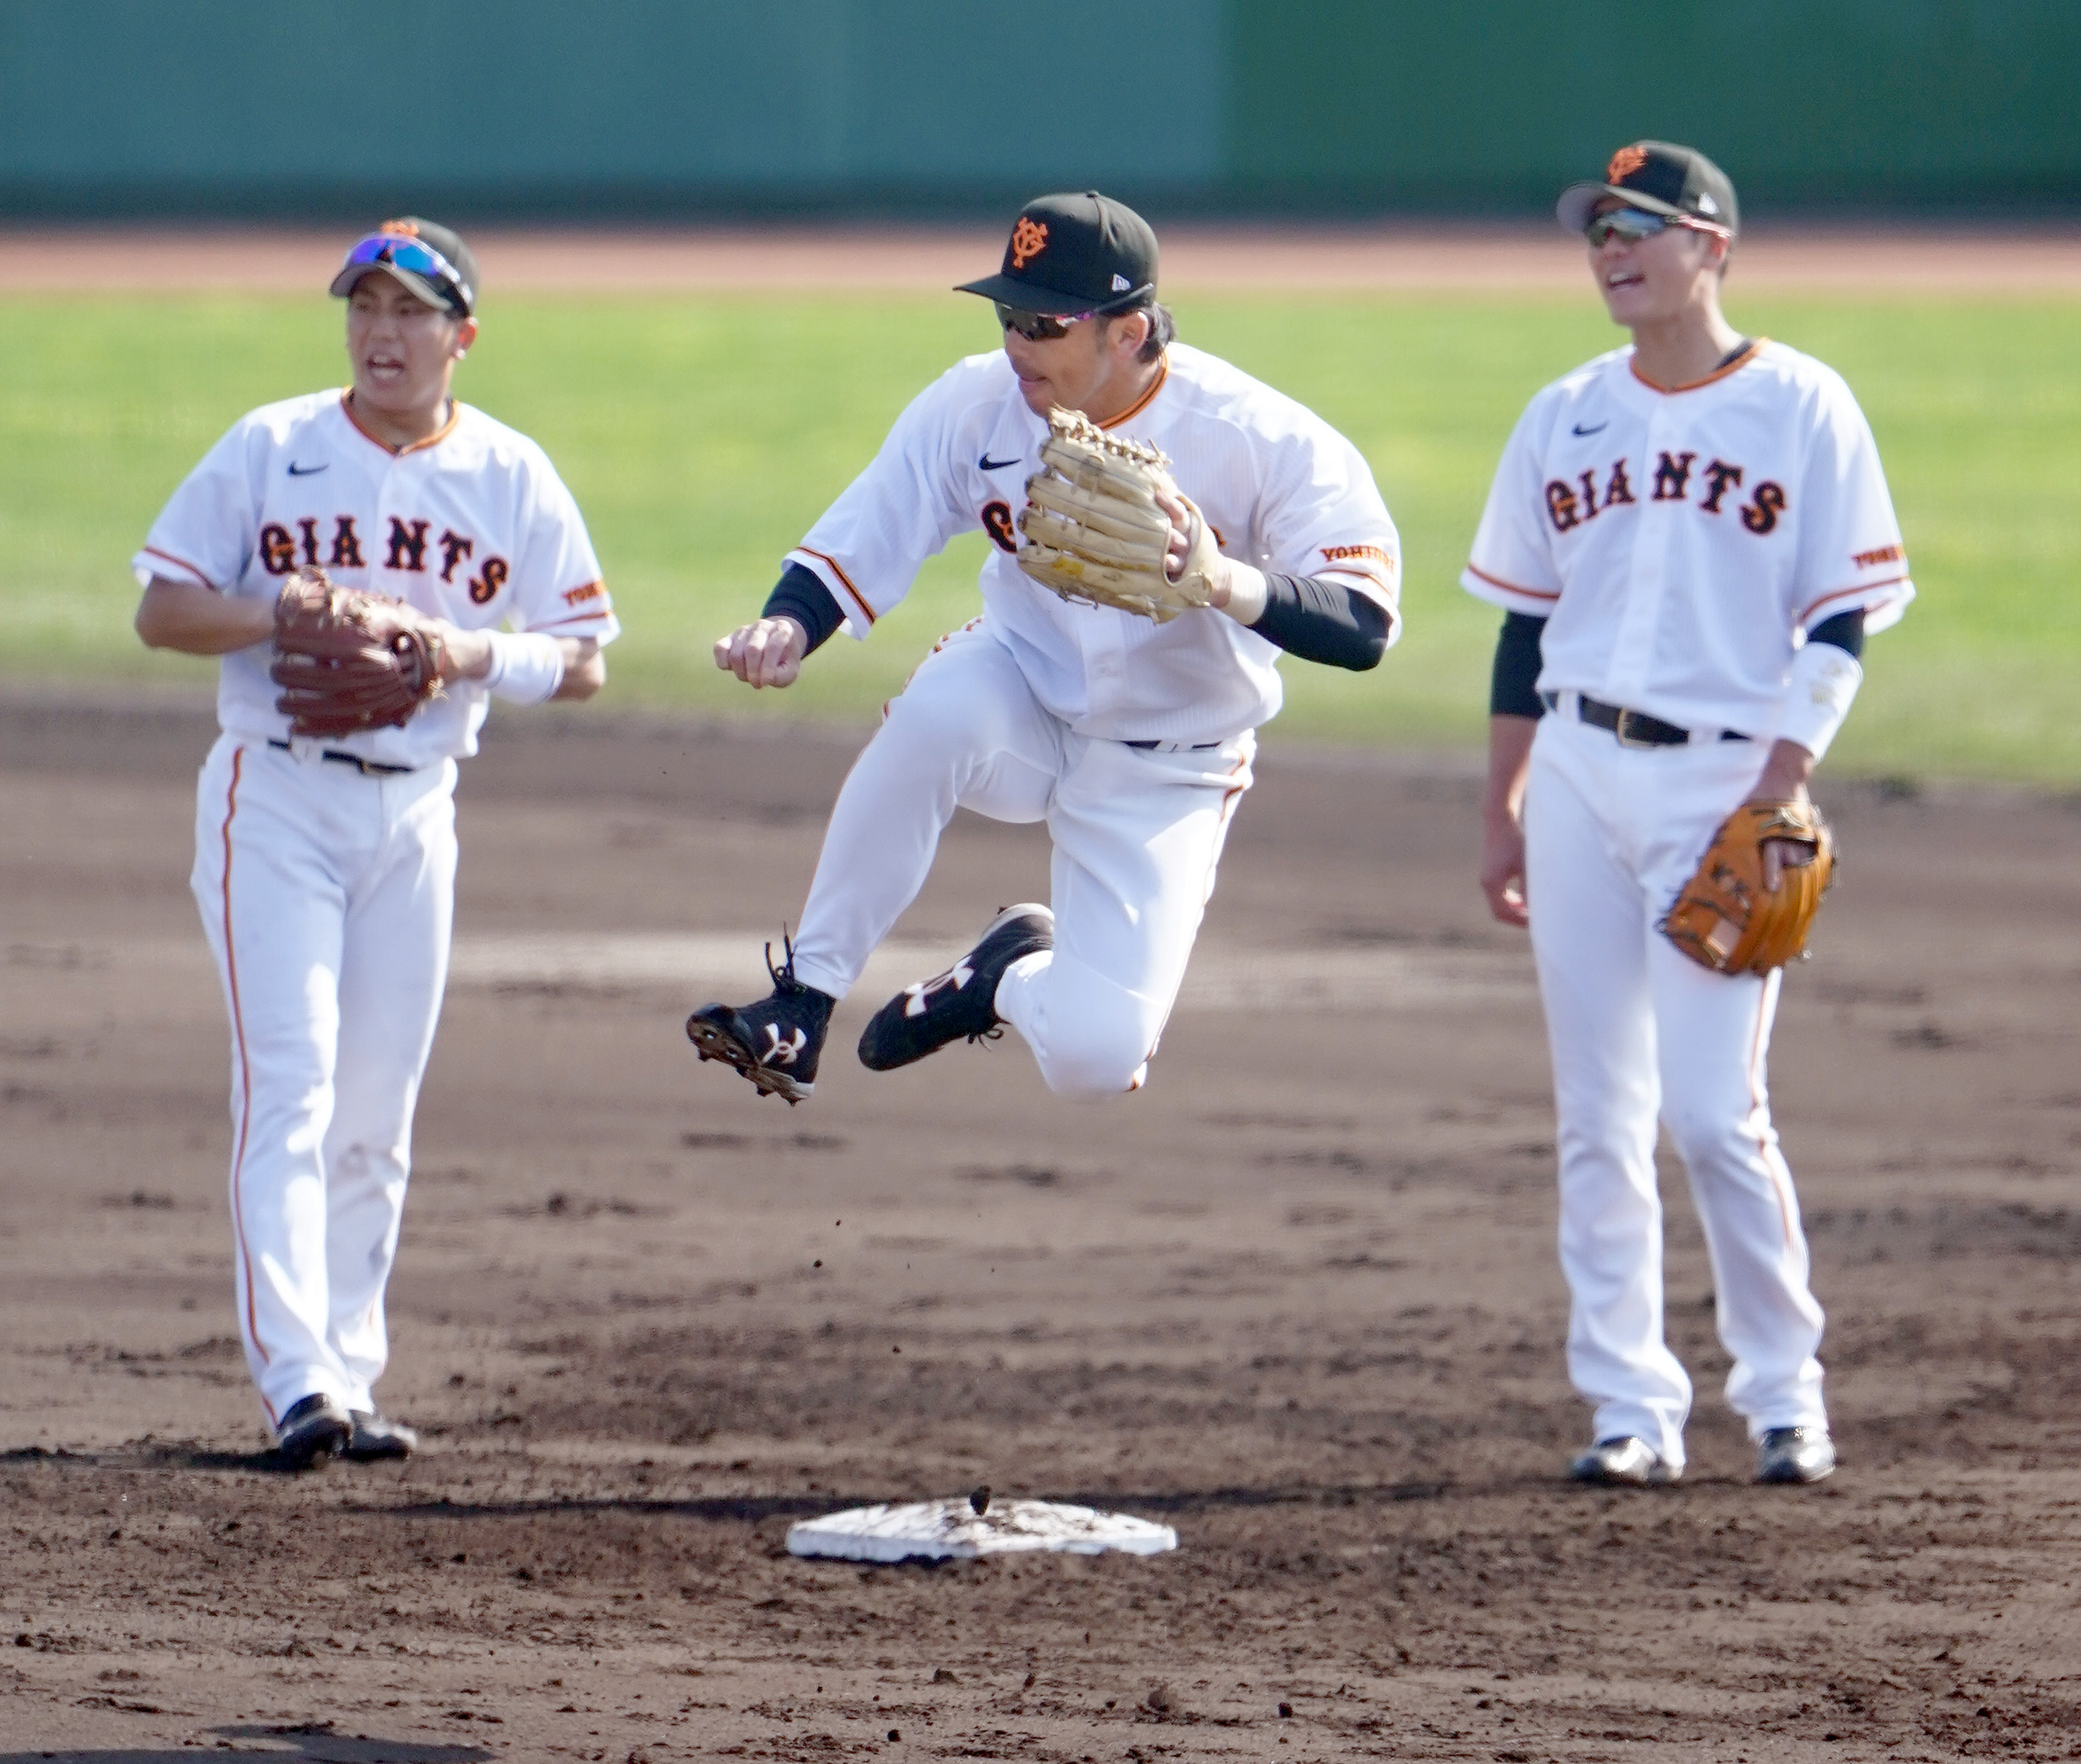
(466,335)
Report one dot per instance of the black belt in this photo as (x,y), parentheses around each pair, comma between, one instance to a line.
(368,768)
(1636,728)
(1148,747)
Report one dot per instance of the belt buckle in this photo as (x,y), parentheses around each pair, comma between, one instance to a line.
(1626,739)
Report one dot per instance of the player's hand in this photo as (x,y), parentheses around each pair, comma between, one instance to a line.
(1183,516)
(767,652)
(1503,870)
(463,654)
(1783,780)
(1780,855)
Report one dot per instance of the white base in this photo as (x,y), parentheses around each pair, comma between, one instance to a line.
(953,1528)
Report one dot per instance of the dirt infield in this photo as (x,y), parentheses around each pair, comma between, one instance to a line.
(1401,256)
(1297,1298)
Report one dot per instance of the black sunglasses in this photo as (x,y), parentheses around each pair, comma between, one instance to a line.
(1637,224)
(1036,327)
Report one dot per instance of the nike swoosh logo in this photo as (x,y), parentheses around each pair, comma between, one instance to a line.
(987,464)
(305,471)
(1594,428)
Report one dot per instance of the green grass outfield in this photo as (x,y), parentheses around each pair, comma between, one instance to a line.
(703,435)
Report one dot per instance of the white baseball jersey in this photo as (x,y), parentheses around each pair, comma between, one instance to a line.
(1281,489)
(1679,544)
(472,525)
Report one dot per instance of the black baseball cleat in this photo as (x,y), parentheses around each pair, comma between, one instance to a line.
(1623,1461)
(375,1438)
(314,1429)
(777,1043)
(1795,1454)
(923,1018)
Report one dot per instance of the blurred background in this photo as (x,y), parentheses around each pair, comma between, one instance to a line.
(718,243)
(660,109)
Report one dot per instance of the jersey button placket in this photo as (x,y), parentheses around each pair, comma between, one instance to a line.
(1647,571)
(390,499)
(1104,648)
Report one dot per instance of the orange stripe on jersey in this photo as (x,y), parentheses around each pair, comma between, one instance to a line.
(1498,582)
(1735,366)
(574,618)
(838,570)
(1142,403)
(434,439)
(1366,576)
(180,563)
(1840,594)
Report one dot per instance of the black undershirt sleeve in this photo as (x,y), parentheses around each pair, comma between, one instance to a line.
(1317,620)
(799,596)
(1322,621)
(1846,631)
(1513,680)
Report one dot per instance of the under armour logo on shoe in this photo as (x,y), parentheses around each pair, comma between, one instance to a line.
(782,1053)
(916,997)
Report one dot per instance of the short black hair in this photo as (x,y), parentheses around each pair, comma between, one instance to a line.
(1162,327)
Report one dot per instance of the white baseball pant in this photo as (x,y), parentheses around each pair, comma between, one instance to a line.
(1637,1031)
(1137,837)
(328,898)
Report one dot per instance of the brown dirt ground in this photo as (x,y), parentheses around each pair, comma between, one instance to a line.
(1987,262)
(1298,1298)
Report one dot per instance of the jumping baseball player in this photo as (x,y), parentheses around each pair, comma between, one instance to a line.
(325,869)
(1690,538)
(1130,735)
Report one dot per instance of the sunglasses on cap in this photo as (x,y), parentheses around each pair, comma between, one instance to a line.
(1629,223)
(415,255)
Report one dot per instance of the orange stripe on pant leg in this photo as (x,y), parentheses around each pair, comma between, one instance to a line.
(1773,1159)
(245,1076)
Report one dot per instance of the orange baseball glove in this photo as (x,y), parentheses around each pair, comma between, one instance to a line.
(1725,920)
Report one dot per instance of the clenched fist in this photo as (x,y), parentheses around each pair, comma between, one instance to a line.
(767,652)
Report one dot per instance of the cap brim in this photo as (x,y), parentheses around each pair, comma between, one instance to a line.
(1027,298)
(1579,201)
(344,283)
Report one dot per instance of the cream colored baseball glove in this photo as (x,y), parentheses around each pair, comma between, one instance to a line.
(1095,531)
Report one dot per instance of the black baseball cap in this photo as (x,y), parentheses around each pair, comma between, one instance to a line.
(1072,254)
(429,258)
(1663,178)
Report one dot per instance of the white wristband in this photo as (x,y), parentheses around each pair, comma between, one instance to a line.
(527,666)
(1818,691)
(1247,593)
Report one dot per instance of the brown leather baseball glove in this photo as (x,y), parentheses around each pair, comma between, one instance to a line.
(347,661)
(1724,920)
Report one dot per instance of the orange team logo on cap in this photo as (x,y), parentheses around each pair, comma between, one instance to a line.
(1029,238)
(408,229)
(1625,163)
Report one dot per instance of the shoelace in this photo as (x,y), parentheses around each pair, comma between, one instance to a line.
(784,976)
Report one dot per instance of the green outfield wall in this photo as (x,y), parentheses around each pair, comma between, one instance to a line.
(533,108)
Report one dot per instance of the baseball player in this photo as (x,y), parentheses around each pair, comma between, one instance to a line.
(324,870)
(1131,739)
(1690,538)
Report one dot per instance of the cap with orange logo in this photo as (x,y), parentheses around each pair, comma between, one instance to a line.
(1071,253)
(1663,178)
